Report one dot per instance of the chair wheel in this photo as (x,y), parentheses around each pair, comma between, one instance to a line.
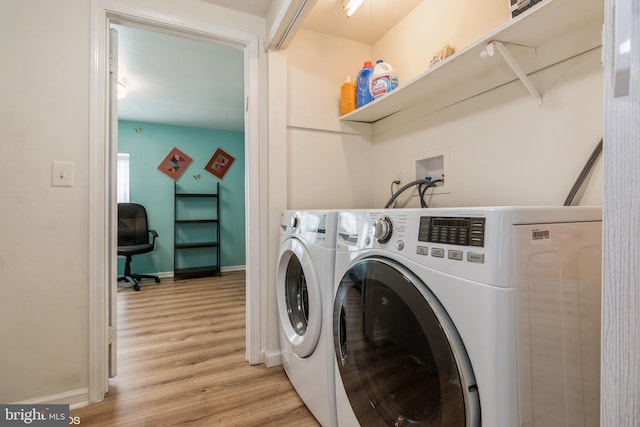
(157,280)
(136,287)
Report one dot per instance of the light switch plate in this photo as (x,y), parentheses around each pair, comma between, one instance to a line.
(62,174)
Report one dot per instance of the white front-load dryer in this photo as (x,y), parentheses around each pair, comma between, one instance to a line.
(305,277)
(432,305)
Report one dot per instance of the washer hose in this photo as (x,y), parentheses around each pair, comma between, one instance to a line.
(583,175)
(427,182)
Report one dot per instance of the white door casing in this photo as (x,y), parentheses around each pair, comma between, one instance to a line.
(620,364)
(112,147)
(101,252)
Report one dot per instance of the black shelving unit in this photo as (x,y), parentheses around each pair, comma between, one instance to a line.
(196,234)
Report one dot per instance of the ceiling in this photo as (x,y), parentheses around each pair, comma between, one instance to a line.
(370,22)
(182,81)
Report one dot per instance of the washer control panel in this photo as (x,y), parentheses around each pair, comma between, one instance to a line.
(468,243)
(452,230)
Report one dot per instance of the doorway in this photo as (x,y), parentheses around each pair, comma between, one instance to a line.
(102,242)
(185,93)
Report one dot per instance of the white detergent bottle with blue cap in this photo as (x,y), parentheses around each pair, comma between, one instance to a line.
(383,80)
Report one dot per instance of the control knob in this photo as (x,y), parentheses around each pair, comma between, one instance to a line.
(382,229)
(294,222)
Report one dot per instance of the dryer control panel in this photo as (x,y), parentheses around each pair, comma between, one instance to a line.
(460,231)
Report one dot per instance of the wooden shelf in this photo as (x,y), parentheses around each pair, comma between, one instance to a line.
(557,29)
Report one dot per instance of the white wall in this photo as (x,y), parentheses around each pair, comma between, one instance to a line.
(410,45)
(329,161)
(504,150)
(44,79)
(43,257)
(501,148)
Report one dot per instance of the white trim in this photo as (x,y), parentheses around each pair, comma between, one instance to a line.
(328,124)
(71,397)
(98,221)
(254,199)
(272,358)
(288,20)
(233,268)
(102,11)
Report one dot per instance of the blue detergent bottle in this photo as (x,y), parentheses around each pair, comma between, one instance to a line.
(363,92)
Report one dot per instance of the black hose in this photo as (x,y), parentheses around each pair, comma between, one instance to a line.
(396,182)
(583,175)
(427,182)
(422,190)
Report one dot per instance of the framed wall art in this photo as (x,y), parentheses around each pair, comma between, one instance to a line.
(219,163)
(174,164)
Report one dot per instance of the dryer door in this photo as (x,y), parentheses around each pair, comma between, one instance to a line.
(400,357)
(299,301)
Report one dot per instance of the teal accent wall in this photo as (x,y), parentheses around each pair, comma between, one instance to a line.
(154,190)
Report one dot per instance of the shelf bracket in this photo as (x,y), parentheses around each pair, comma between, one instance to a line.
(494,46)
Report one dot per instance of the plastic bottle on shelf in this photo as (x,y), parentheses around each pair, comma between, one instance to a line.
(347,96)
(363,90)
(383,80)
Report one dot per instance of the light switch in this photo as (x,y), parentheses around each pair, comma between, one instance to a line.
(62,174)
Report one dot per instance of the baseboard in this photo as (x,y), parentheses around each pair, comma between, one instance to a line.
(73,398)
(233,268)
(272,358)
(169,274)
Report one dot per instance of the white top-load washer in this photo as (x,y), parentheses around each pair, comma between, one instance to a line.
(305,300)
(468,317)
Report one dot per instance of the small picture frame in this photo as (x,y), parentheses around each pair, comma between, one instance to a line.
(174,164)
(219,163)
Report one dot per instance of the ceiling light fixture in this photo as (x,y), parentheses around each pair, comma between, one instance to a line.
(122,91)
(350,6)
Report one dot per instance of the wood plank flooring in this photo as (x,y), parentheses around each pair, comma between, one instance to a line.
(181,362)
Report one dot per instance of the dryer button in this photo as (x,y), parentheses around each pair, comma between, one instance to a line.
(457,255)
(475,257)
(422,250)
(400,245)
(437,252)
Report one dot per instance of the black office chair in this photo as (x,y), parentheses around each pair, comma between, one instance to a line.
(133,239)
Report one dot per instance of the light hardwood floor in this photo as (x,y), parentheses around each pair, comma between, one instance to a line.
(181,362)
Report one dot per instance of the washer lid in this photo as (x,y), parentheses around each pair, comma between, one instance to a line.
(299,300)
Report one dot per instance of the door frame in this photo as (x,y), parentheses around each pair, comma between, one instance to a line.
(101,246)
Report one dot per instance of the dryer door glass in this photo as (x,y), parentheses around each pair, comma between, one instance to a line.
(299,300)
(399,356)
(296,296)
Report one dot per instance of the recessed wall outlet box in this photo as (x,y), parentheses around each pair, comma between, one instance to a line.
(435,166)
(62,174)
